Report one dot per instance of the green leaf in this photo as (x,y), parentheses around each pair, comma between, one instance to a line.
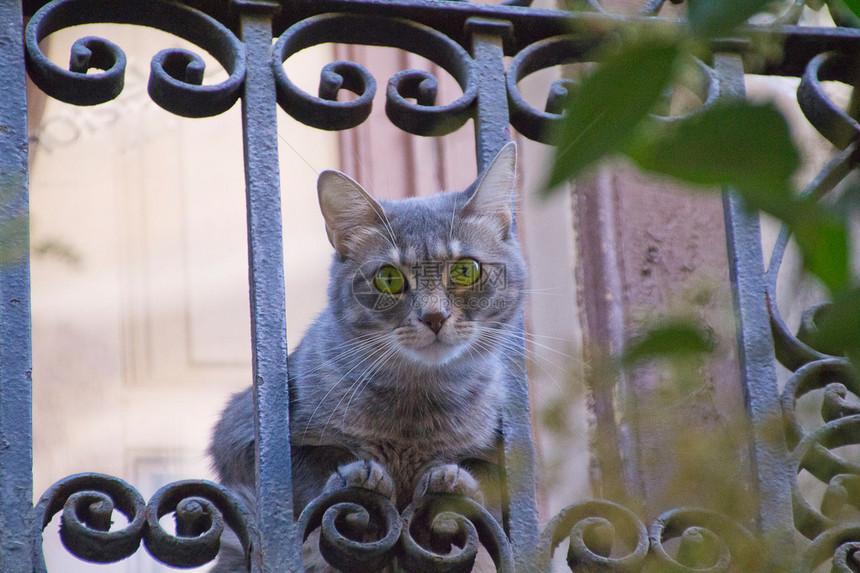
(744,145)
(604,111)
(712,18)
(748,147)
(845,13)
(823,239)
(838,329)
(672,338)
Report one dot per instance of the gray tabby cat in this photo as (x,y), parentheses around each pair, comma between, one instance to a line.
(398,385)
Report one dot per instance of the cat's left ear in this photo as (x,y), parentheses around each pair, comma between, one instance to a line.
(491,200)
(350,213)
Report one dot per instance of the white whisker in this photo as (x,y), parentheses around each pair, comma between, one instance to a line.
(360,382)
(370,348)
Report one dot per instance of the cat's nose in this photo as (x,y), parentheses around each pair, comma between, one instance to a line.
(434,320)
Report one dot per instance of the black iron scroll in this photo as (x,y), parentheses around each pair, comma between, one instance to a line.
(820,368)
(201,510)
(176,75)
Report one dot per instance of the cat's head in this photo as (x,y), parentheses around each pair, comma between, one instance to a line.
(432,279)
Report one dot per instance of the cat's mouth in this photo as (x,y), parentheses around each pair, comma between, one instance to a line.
(436,353)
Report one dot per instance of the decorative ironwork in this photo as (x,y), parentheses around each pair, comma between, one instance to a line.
(559,50)
(555,51)
(593,528)
(831,121)
(708,541)
(176,77)
(422,117)
(605,536)
(359,529)
(819,369)
(87,502)
(441,533)
(840,544)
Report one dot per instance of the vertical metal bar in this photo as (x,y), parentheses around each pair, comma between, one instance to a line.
(491,134)
(771,467)
(279,550)
(491,123)
(16,424)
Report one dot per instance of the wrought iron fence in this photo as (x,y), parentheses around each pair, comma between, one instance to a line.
(471,42)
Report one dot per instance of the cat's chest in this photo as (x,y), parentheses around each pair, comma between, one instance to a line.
(414,436)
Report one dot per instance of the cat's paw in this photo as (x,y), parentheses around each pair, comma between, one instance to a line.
(449,478)
(366,474)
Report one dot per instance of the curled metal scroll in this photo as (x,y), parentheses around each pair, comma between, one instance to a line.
(556,51)
(420,117)
(816,366)
(441,533)
(828,118)
(794,350)
(175,81)
(201,508)
(709,542)
(840,543)
(596,530)
(536,124)
(842,478)
(836,378)
(820,368)
(359,528)
(87,502)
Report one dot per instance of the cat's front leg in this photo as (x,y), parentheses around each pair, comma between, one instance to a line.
(366,474)
(449,478)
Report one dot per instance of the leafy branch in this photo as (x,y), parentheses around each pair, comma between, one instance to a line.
(733,144)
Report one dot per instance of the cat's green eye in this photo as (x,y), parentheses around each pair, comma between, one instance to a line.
(389,280)
(465,272)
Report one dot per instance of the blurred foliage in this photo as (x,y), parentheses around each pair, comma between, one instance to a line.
(710,19)
(672,338)
(15,225)
(733,144)
(853,6)
(602,117)
(57,250)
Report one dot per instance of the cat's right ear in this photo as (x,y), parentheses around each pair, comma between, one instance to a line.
(350,213)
